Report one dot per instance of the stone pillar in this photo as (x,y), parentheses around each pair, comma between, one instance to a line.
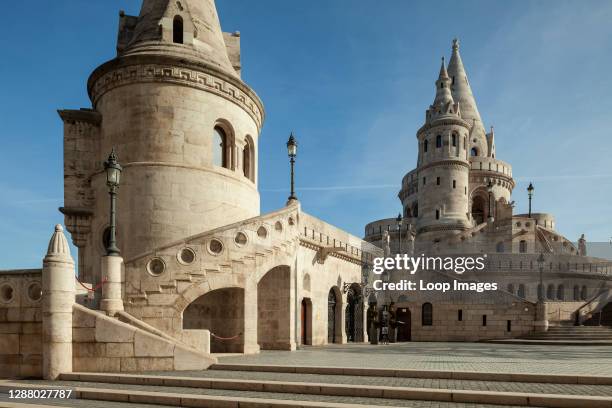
(112,278)
(250,317)
(58,297)
(341,337)
(541,323)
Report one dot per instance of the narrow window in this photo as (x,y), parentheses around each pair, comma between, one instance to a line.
(484,320)
(474,153)
(219,148)
(521,291)
(438,181)
(465,190)
(454,183)
(247,159)
(177,30)
(439,141)
(425,143)
(464,143)
(427,314)
(424,180)
(437,214)
(523,247)
(460,315)
(509,326)
(454,140)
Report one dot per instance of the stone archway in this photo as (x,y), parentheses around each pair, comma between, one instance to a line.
(479,209)
(354,314)
(404,324)
(274,310)
(306,321)
(221,312)
(334,318)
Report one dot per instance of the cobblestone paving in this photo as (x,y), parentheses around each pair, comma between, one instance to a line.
(499,386)
(276,396)
(489,357)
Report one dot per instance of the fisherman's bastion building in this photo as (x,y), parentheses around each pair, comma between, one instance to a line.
(202,271)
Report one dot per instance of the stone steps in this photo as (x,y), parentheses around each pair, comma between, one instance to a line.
(207,389)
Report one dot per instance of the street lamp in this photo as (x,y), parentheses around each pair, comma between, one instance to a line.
(490,191)
(399,229)
(541,266)
(292,152)
(530,191)
(113,178)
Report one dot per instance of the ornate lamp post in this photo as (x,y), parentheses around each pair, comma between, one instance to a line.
(292,152)
(490,191)
(530,191)
(541,266)
(113,177)
(399,231)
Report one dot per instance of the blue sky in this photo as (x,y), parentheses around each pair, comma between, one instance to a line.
(352,79)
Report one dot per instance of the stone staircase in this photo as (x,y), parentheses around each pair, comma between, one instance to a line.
(237,385)
(567,335)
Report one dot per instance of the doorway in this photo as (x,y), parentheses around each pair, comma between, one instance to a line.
(403,318)
(306,319)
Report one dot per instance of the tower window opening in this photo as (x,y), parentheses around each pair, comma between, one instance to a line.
(220,148)
(424,180)
(460,315)
(177,30)
(437,181)
(454,183)
(439,141)
(454,140)
(425,143)
(247,159)
(474,152)
(437,214)
(484,320)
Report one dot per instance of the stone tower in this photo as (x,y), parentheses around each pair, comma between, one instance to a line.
(184,125)
(443,165)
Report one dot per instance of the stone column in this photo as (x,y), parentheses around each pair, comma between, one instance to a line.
(112,278)
(57,302)
(250,316)
(541,323)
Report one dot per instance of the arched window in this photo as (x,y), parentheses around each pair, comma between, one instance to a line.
(576,292)
(425,144)
(511,288)
(454,140)
(500,247)
(583,293)
(560,292)
(220,148)
(437,214)
(550,292)
(474,152)
(427,314)
(248,165)
(521,291)
(439,141)
(177,30)
(523,247)
(415,210)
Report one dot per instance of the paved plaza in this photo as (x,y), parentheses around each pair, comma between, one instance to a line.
(487,357)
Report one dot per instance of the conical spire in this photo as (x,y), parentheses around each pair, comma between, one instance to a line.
(192,26)
(58,246)
(461,90)
(443,89)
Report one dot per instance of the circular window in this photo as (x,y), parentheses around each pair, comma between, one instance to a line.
(262,232)
(278,226)
(156,266)
(7,293)
(186,256)
(240,239)
(528,224)
(291,222)
(215,246)
(34,291)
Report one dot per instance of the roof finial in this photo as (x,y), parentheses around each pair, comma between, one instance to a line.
(443,73)
(455,44)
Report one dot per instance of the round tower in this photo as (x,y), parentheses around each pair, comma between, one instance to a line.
(442,175)
(184,125)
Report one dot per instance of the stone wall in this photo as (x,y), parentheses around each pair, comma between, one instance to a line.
(104,344)
(20,324)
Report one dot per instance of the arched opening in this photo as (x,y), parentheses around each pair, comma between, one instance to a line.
(415,210)
(576,292)
(222,312)
(248,162)
(427,314)
(521,291)
(583,293)
(523,246)
(404,324)
(561,292)
(550,292)
(306,320)
(454,140)
(333,317)
(478,209)
(354,314)
(220,148)
(474,152)
(273,309)
(177,30)
(439,141)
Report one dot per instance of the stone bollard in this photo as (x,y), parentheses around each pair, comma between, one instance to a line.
(112,283)
(58,297)
(541,323)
